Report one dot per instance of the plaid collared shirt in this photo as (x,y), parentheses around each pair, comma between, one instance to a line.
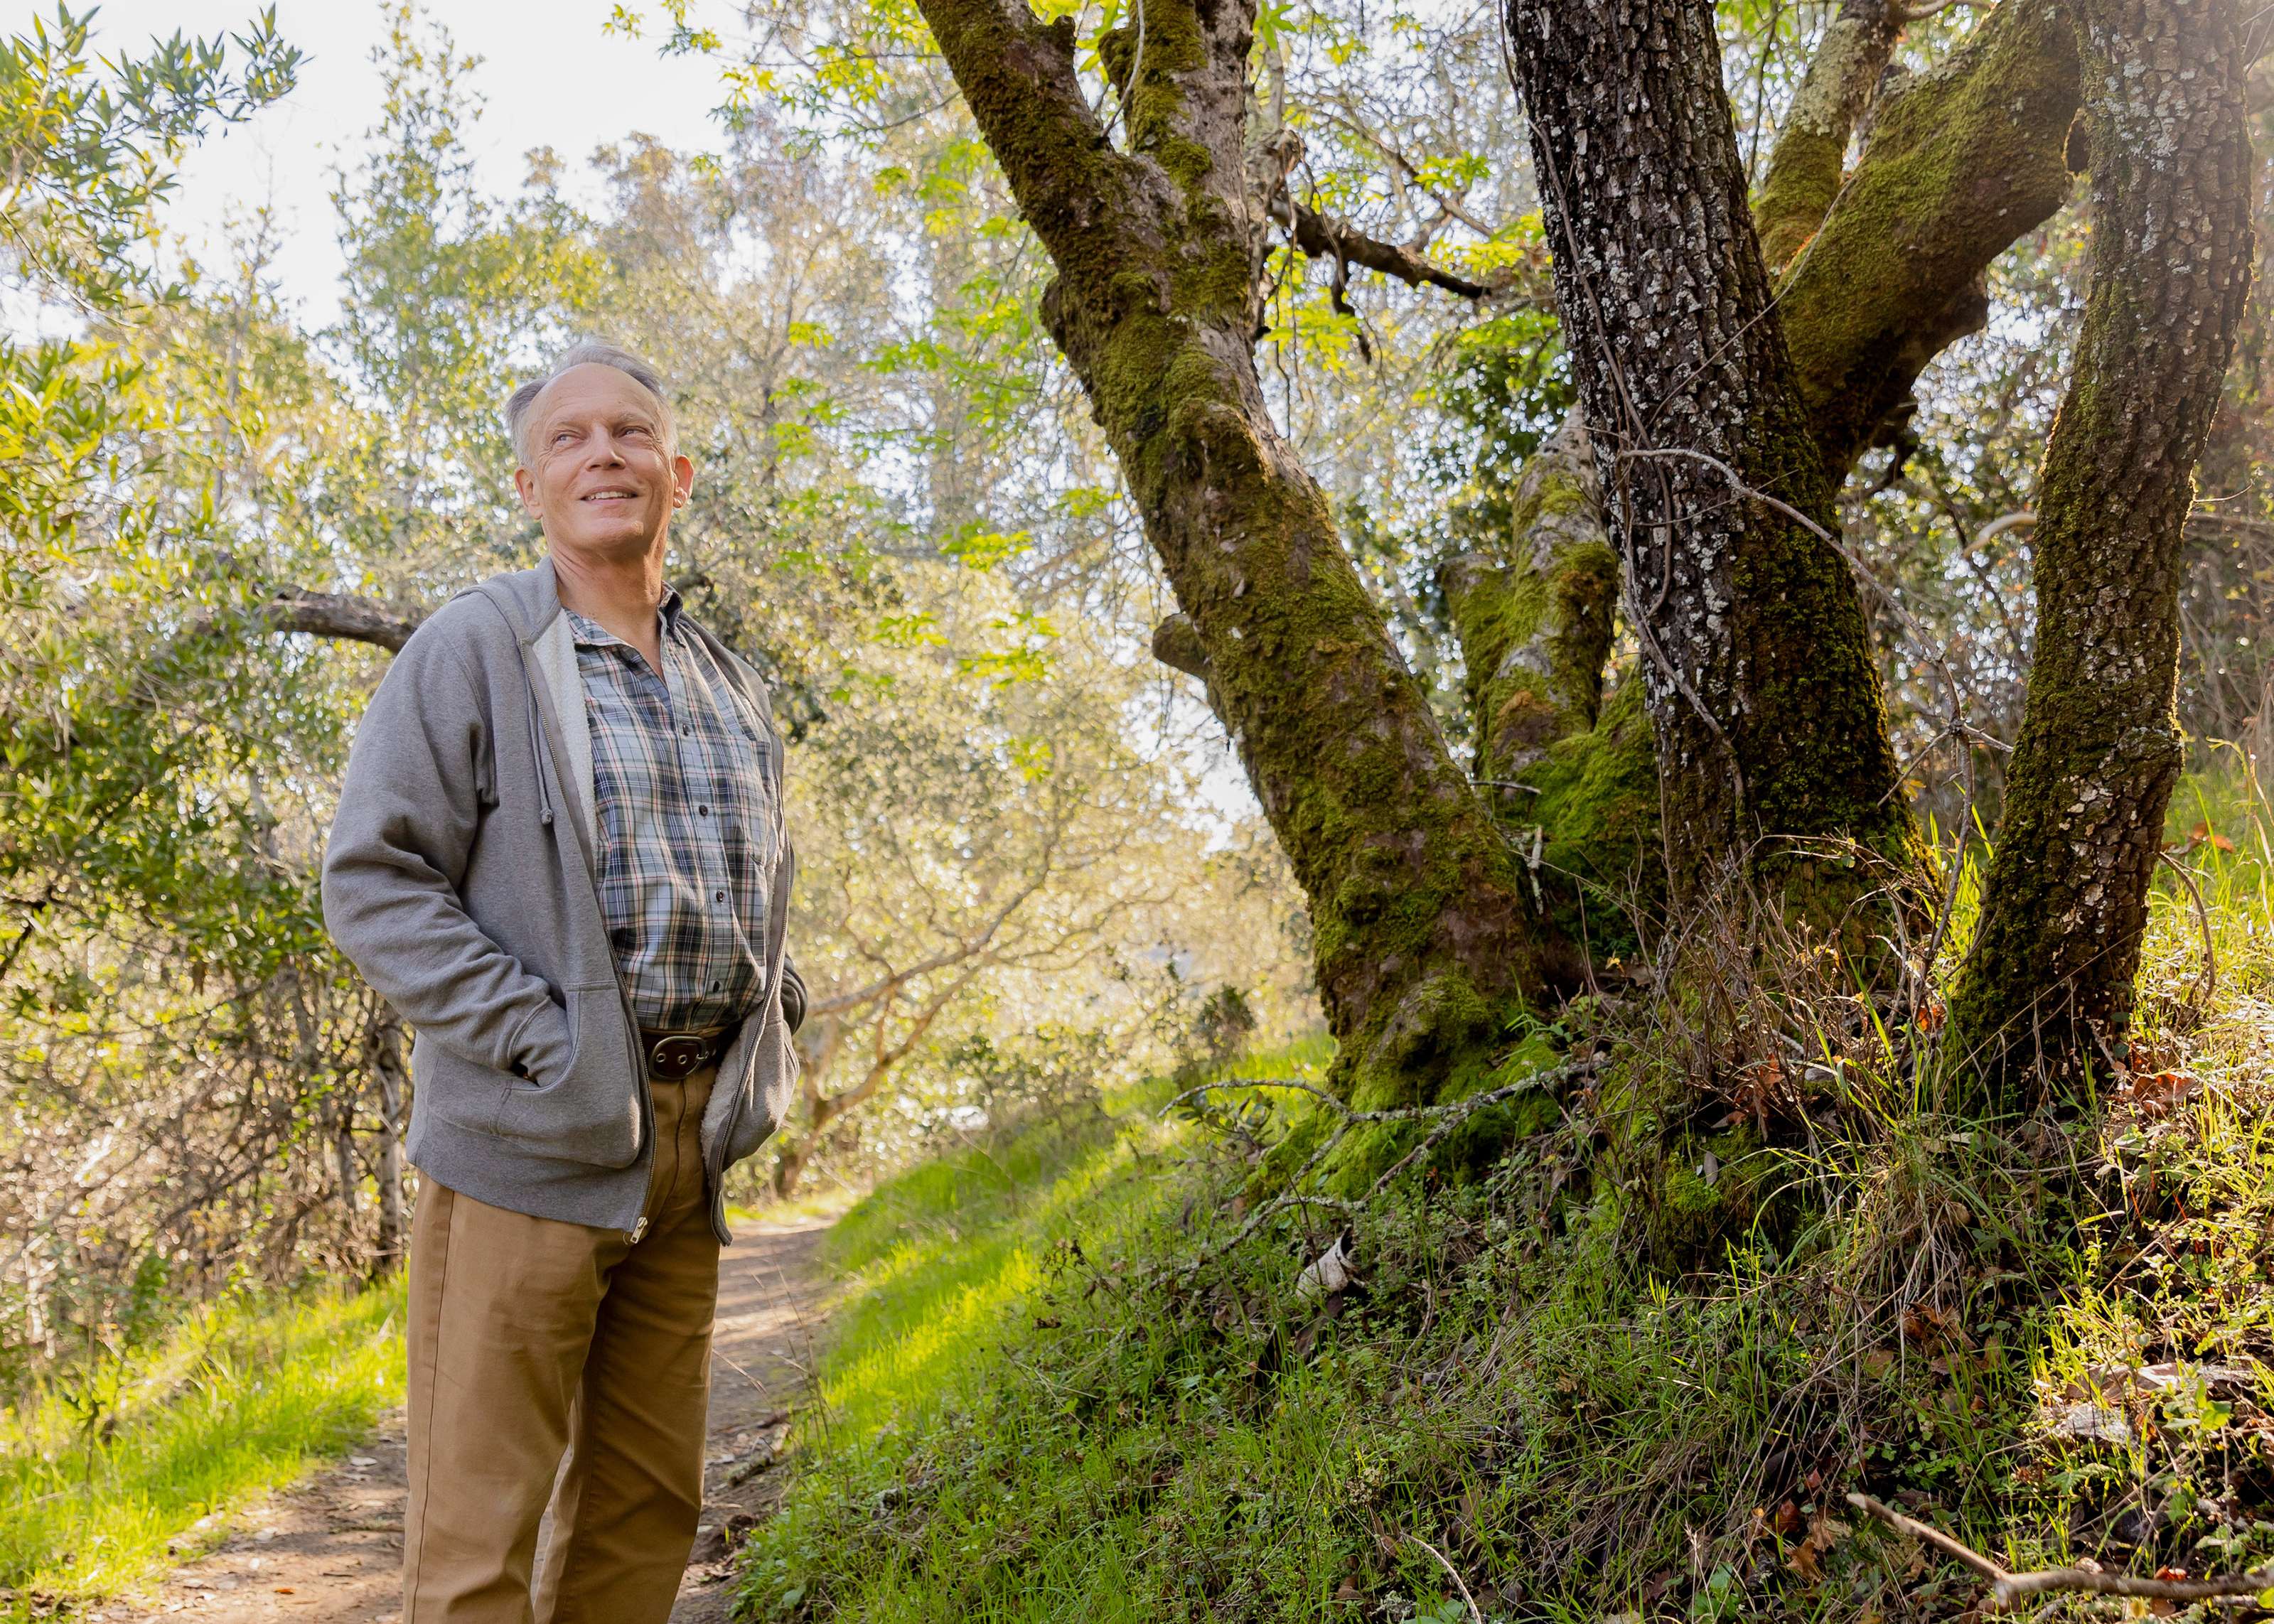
(687,802)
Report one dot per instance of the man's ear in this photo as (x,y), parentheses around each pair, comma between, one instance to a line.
(682,480)
(525,483)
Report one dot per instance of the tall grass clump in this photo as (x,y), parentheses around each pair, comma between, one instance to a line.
(1746,1251)
(104,1481)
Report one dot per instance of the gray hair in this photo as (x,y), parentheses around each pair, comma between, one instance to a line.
(590,354)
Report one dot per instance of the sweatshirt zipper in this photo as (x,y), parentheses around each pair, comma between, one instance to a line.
(541,741)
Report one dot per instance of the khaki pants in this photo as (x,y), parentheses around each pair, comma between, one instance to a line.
(529,1339)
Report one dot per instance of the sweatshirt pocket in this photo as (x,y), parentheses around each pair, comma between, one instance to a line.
(768,1087)
(588,1108)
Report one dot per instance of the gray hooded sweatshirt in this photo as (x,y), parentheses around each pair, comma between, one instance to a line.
(460,880)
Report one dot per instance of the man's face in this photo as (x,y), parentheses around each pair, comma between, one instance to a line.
(597,476)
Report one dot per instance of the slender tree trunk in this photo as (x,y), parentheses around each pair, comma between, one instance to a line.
(1533,606)
(823,1037)
(393,1224)
(344,1153)
(1762,687)
(1422,919)
(2048,987)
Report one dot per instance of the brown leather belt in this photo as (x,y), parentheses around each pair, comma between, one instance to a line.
(674,1056)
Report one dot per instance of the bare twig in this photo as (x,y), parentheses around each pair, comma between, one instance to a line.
(2006,1589)
(2209,983)
(1323,236)
(1942,1542)
(1452,1573)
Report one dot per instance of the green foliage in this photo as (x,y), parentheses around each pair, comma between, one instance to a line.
(166,757)
(1506,387)
(449,300)
(90,145)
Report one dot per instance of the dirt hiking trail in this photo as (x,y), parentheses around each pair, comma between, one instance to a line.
(331,1550)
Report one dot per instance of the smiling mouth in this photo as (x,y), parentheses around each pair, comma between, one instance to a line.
(611,495)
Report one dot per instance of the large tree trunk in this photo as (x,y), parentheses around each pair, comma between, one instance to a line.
(1883,267)
(1422,920)
(1762,687)
(2048,987)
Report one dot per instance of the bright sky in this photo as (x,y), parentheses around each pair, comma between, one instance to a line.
(550,78)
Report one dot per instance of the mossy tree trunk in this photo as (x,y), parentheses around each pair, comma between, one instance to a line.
(1570,772)
(1423,924)
(1883,266)
(1533,603)
(1763,690)
(2048,987)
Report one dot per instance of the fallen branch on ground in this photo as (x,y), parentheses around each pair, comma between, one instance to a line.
(2006,1589)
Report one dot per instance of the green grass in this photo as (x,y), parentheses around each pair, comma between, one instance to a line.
(1018,1428)
(241,1398)
(943,1257)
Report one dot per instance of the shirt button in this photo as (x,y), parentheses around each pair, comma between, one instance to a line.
(702,811)
(686,732)
(719,896)
(716,985)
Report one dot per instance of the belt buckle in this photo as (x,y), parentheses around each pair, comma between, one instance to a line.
(676,1058)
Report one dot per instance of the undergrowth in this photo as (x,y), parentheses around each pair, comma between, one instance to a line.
(1626,1369)
(105,1485)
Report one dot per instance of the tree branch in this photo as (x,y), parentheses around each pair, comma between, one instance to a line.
(1962,161)
(1809,157)
(1177,644)
(1329,237)
(335,614)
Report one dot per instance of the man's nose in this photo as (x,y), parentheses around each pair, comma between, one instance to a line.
(604,452)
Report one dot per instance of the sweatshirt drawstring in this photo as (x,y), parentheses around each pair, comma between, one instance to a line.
(536,742)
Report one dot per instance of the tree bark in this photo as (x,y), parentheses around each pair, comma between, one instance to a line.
(2047,989)
(1533,606)
(394,1218)
(1883,266)
(1810,158)
(335,614)
(1423,927)
(1962,161)
(1762,688)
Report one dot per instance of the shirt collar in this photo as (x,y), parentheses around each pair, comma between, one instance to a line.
(592,634)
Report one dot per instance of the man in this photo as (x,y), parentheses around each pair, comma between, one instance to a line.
(560,853)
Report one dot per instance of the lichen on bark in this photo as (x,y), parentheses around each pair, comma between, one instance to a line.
(2047,991)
